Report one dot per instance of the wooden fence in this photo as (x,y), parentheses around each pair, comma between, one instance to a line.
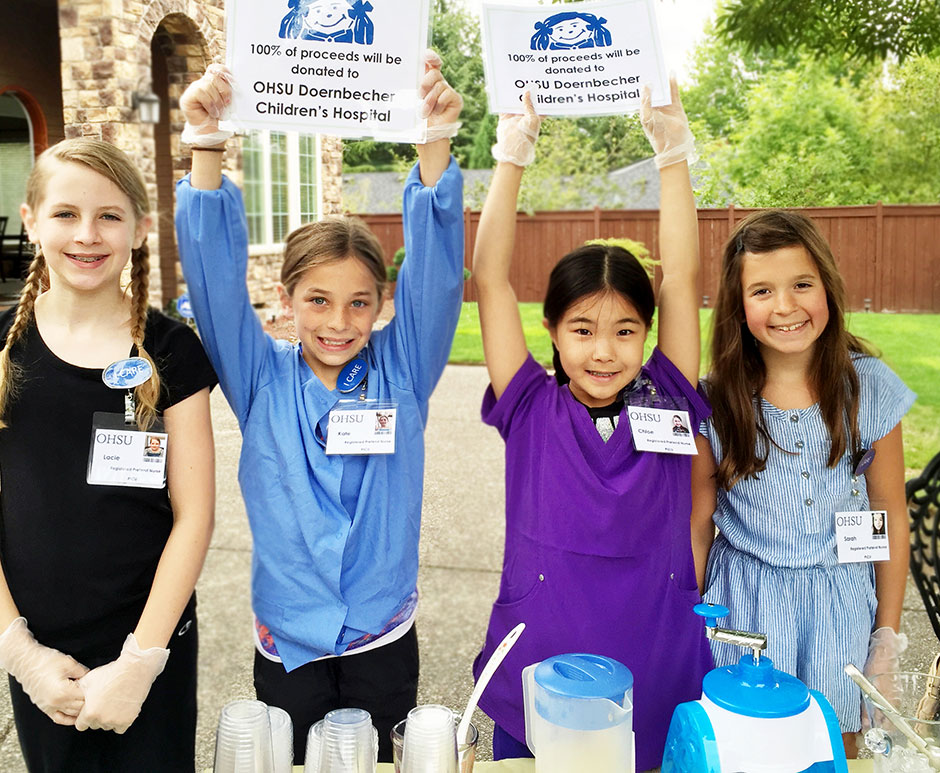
(889,255)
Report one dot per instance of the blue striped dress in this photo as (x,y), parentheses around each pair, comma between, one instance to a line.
(773,563)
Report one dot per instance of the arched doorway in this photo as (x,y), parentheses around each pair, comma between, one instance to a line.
(16,161)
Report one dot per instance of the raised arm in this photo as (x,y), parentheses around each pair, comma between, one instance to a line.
(213,242)
(668,131)
(504,346)
(441,105)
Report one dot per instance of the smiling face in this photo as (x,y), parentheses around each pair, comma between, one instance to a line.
(785,301)
(600,342)
(570,31)
(85,226)
(877,520)
(328,16)
(334,306)
(154,444)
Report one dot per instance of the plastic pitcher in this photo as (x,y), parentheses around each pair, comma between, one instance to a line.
(579,714)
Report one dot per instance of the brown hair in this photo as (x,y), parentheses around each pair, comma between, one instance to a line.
(110,162)
(738,373)
(329,240)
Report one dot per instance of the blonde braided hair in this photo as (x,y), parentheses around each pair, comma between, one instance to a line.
(146,394)
(113,164)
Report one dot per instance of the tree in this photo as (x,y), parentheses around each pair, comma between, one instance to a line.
(861,29)
(805,141)
(906,131)
(456,37)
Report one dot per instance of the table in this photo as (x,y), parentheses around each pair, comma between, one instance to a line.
(528,766)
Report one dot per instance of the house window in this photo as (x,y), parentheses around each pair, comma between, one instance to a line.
(282,185)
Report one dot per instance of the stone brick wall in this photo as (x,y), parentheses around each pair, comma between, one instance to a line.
(107,47)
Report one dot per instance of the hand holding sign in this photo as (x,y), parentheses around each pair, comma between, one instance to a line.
(203,104)
(440,103)
(667,129)
(516,135)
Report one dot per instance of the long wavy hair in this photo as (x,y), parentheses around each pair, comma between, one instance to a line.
(738,373)
(110,162)
(595,268)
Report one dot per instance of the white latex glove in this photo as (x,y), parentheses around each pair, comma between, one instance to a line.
(884,652)
(48,677)
(667,129)
(440,103)
(204,103)
(115,692)
(516,135)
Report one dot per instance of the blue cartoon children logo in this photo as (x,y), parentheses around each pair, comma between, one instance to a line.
(126,374)
(338,21)
(570,30)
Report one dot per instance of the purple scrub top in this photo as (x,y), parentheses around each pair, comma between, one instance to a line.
(598,554)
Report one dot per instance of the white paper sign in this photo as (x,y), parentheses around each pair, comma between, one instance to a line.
(862,536)
(355,430)
(577,59)
(344,67)
(661,430)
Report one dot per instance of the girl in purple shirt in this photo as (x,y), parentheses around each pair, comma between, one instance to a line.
(598,554)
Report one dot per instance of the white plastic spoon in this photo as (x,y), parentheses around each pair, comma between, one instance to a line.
(488,670)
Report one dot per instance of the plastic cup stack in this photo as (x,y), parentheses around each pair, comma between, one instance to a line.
(314,741)
(243,739)
(466,752)
(282,739)
(430,741)
(348,742)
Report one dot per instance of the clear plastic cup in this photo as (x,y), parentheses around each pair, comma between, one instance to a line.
(348,744)
(314,741)
(430,741)
(466,752)
(282,739)
(243,739)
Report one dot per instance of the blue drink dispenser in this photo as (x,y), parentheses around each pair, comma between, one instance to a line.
(752,717)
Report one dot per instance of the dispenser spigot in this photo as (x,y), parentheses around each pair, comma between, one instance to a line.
(755,642)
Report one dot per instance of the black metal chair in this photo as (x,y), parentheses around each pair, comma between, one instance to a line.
(4,219)
(923,506)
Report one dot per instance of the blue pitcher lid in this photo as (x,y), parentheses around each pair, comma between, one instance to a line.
(570,690)
(756,690)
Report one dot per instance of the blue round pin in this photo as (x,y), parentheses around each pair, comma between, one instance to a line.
(351,375)
(184,307)
(126,374)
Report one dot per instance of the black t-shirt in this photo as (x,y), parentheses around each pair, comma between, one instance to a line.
(80,559)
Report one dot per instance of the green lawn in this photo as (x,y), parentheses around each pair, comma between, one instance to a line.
(907,342)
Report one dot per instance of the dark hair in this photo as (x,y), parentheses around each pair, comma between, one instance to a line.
(738,373)
(596,268)
(600,35)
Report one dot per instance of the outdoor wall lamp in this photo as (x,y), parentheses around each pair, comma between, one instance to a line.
(147,104)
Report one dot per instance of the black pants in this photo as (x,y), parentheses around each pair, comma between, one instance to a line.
(383,681)
(162,738)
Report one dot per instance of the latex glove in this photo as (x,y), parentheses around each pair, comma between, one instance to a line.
(440,103)
(667,129)
(47,676)
(884,651)
(115,692)
(516,135)
(204,104)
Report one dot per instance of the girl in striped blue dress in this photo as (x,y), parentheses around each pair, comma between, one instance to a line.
(798,405)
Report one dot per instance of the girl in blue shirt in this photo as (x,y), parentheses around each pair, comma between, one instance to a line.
(798,404)
(335,535)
